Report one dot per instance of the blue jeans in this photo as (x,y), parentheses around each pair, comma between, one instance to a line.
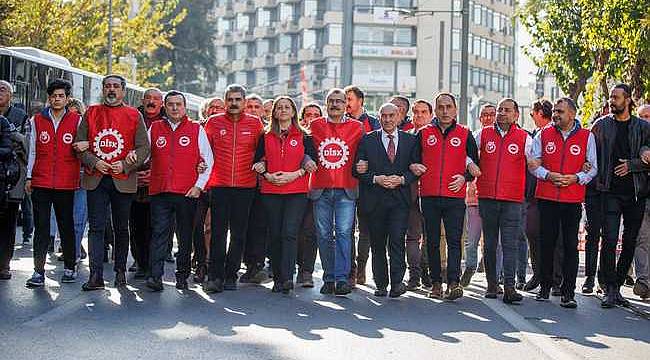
(334,214)
(80,217)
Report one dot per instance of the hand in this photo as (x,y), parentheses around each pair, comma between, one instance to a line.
(457,183)
(287,177)
(362,166)
(144,177)
(567,180)
(118,167)
(417,169)
(274,178)
(533,164)
(201,167)
(310,166)
(645,157)
(131,158)
(28,187)
(194,192)
(259,167)
(81,146)
(474,170)
(395,181)
(103,167)
(622,169)
(586,167)
(555,178)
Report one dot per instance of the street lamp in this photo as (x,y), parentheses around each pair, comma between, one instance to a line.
(109,65)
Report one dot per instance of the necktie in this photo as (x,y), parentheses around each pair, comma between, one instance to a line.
(391,149)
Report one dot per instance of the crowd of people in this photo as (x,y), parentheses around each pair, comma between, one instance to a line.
(253,180)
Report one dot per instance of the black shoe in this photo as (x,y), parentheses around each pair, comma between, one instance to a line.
(641,290)
(568,302)
(556,291)
(413,285)
(26,240)
(397,290)
(629,281)
(105,255)
(82,253)
(307,280)
(95,282)
(382,292)
(491,291)
(277,287)
(154,284)
(328,288)
(213,286)
(170,258)
(511,296)
(60,258)
(609,301)
(342,288)
(466,278)
(140,273)
(120,279)
(230,285)
(520,285)
(620,300)
(199,274)
(588,286)
(454,291)
(543,294)
(181,282)
(532,284)
(251,271)
(5,274)
(287,286)
(133,268)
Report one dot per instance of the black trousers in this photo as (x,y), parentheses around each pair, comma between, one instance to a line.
(8,218)
(258,234)
(307,244)
(593,227)
(285,213)
(63,202)
(98,215)
(360,252)
(167,209)
(532,230)
(140,225)
(451,211)
(198,234)
(559,218)
(230,208)
(27,216)
(388,228)
(632,211)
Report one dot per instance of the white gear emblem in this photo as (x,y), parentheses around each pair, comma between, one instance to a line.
(184,141)
(108,144)
(222,132)
(574,149)
(333,153)
(550,147)
(455,142)
(44,137)
(490,147)
(67,138)
(161,142)
(432,140)
(513,149)
(293,142)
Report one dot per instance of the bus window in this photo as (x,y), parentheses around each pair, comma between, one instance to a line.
(5,68)
(95,91)
(77,85)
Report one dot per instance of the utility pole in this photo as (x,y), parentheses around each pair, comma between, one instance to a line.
(464,64)
(109,65)
(348,39)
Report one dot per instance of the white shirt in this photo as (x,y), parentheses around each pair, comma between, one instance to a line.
(385,139)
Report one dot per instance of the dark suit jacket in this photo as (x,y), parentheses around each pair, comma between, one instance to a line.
(372,150)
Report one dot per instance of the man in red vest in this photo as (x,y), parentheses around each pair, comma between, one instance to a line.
(52,178)
(178,146)
(112,130)
(563,149)
(445,147)
(503,150)
(233,136)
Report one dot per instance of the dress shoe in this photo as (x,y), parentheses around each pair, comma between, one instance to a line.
(213,286)
(426,280)
(609,301)
(95,282)
(307,280)
(556,291)
(520,285)
(154,284)
(328,288)
(277,287)
(588,286)
(620,300)
(543,294)
(413,284)
(342,288)
(5,274)
(629,281)
(382,292)
(181,282)
(532,284)
(140,273)
(287,286)
(199,274)
(454,291)
(511,296)
(397,290)
(641,290)
(230,285)
(491,291)
(466,278)
(436,291)
(568,302)
(120,279)
(133,267)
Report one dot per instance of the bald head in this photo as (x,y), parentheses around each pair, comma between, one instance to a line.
(644,112)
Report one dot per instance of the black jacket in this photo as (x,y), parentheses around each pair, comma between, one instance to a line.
(604,130)
(6,144)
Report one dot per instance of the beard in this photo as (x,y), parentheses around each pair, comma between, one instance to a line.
(111,99)
(616,110)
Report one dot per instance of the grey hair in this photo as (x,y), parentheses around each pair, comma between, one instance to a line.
(388,106)
(8,85)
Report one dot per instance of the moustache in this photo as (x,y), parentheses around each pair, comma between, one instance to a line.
(151,106)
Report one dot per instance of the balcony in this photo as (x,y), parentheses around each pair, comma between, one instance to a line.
(224,38)
(225,11)
(242,65)
(311,21)
(243,36)
(244,6)
(266,3)
(289,26)
(264,31)
(312,54)
(264,61)
(286,58)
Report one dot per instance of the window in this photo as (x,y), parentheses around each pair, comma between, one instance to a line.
(455,39)
(455,72)
(263,47)
(308,39)
(310,8)
(242,22)
(263,18)
(284,43)
(335,33)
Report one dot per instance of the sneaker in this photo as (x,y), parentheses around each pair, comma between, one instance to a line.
(511,296)
(181,282)
(213,286)
(154,284)
(466,278)
(641,290)
(37,280)
(342,288)
(328,288)
(413,285)
(543,294)
(454,291)
(436,291)
(247,277)
(629,281)
(568,302)
(170,258)
(532,284)
(133,268)
(588,286)
(520,285)
(26,240)
(287,286)
(555,291)
(69,276)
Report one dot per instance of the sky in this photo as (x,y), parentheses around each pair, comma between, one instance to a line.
(525,68)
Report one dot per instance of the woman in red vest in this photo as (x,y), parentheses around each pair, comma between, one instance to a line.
(284,186)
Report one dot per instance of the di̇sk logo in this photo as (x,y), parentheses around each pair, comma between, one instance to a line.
(432,140)
(44,137)
(455,142)
(513,149)
(108,144)
(550,147)
(184,140)
(490,147)
(293,142)
(67,138)
(574,149)
(333,153)
(161,142)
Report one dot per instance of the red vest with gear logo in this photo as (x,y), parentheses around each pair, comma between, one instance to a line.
(444,157)
(336,144)
(111,133)
(56,165)
(284,155)
(175,156)
(564,157)
(503,164)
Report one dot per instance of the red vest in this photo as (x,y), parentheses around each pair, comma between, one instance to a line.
(111,132)
(175,156)
(56,166)
(564,157)
(503,164)
(284,155)
(444,157)
(336,144)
